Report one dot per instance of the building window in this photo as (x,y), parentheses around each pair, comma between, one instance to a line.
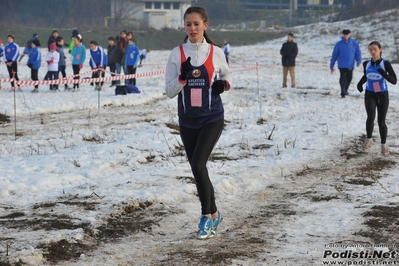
(157,5)
(166,5)
(176,5)
(148,5)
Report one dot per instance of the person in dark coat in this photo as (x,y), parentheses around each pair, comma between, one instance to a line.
(111,52)
(52,38)
(289,51)
(120,54)
(75,33)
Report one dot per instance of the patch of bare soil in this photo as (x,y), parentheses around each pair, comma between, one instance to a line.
(382,223)
(251,235)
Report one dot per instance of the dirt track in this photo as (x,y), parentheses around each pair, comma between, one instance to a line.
(274,231)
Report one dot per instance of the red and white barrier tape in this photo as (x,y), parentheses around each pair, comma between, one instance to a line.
(84,80)
(67,77)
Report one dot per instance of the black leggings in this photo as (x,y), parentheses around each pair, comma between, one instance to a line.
(379,100)
(345,79)
(13,68)
(199,144)
(76,71)
(131,70)
(97,74)
(63,73)
(34,75)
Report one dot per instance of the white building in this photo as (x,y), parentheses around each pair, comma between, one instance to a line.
(157,14)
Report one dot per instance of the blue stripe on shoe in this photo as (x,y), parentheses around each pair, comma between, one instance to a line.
(204,227)
(216,223)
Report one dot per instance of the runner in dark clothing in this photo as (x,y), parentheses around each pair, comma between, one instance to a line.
(377,72)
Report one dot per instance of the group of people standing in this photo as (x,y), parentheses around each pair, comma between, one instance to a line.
(376,72)
(122,54)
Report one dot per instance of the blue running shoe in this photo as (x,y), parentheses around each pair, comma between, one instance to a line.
(204,227)
(216,222)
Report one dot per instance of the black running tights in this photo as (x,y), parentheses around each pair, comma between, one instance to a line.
(345,79)
(379,101)
(199,144)
(76,71)
(11,69)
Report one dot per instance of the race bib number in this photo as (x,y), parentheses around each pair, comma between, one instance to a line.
(196,97)
(376,87)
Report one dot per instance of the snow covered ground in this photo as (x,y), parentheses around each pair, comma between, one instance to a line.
(83,185)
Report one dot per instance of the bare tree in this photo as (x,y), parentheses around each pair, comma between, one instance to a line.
(122,12)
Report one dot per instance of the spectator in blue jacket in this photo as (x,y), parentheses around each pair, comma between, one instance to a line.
(99,61)
(132,60)
(1,54)
(226,49)
(34,62)
(78,58)
(346,51)
(143,56)
(11,54)
(28,45)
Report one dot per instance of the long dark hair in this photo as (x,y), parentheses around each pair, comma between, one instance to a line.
(203,14)
(377,44)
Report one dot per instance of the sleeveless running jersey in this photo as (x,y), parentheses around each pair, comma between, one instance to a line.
(375,81)
(197,105)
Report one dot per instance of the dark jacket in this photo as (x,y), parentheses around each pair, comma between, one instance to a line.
(289,51)
(51,40)
(111,50)
(60,50)
(121,50)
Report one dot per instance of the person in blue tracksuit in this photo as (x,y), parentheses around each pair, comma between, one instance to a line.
(11,54)
(28,45)
(346,52)
(34,62)
(143,56)
(99,61)
(78,58)
(132,60)
(1,54)
(226,49)
(376,73)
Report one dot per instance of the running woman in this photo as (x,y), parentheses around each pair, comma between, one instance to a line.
(377,72)
(197,72)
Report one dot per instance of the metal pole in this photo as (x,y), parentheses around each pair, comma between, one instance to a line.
(257,80)
(98,89)
(15,107)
